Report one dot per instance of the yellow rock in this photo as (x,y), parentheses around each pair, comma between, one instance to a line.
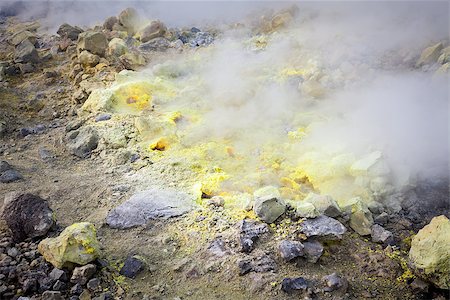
(77,244)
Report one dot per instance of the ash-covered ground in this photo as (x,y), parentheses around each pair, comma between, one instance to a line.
(190,150)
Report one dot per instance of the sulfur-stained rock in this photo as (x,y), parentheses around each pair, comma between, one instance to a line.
(445,56)
(26,53)
(268,204)
(324,204)
(77,244)
(117,47)
(430,55)
(430,252)
(361,219)
(129,19)
(305,209)
(92,41)
(69,32)
(17,38)
(281,20)
(88,59)
(154,30)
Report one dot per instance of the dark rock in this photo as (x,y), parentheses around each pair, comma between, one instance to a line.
(28,216)
(132,267)
(82,143)
(323,227)
(10,176)
(250,231)
(381,235)
(156,44)
(76,289)
(313,250)
(148,205)
(52,295)
(70,32)
(82,274)
(292,285)
(195,30)
(420,285)
(58,274)
(102,117)
(218,248)
(30,285)
(260,264)
(59,286)
(110,22)
(381,219)
(290,249)
(26,53)
(335,282)
(94,285)
(5,166)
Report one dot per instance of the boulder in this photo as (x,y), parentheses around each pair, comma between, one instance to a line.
(361,219)
(290,250)
(110,22)
(28,216)
(26,53)
(21,36)
(82,142)
(334,282)
(293,285)
(153,30)
(268,204)
(77,244)
(305,209)
(69,32)
(323,227)
(313,250)
(149,205)
(117,47)
(381,235)
(430,252)
(430,55)
(92,41)
(156,44)
(324,204)
(88,59)
(10,175)
(129,19)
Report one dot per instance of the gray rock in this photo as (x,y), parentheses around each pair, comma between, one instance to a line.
(45,154)
(430,55)
(382,219)
(290,249)
(156,44)
(52,295)
(324,204)
(92,41)
(58,274)
(259,265)
(82,274)
(68,31)
(28,216)
(26,53)
(94,285)
(59,286)
(268,204)
(313,250)
(323,227)
(83,142)
(293,285)
(381,235)
(201,39)
(250,232)
(102,117)
(155,29)
(132,267)
(5,166)
(88,59)
(129,19)
(216,201)
(110,22)
(76,289)
(147,205)
(13,252)
(335,282)
(361,219)
(218,248)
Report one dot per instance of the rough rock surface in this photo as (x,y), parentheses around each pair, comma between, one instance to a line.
(92,41)
(430,252)
(290,249)
(249,232)
(323,227)
(154,30)
(26,53)
(430,55)
(131,267)
(313,250)
(28,216)
(82,142)
(77,244)
(361,219)
(292,285)
(268,204)
(381,235)
(68,31)
(148,205)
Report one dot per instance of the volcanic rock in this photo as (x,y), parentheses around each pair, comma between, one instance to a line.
(92,41)
(19,37)
(290,249)
(52,295)
(77,244)
(201,39)
(156,44)
(82,142)
(430,252)
(28,216)
(259,265)
(268,204)
(430,55)
(304,209)
(313,250)
(129,19)
(68,31)
(250,232)
(445,56)
(361,219)
(110,22)
(335,282)
(82,274)
(324,204)
(10,176)
(88,59)
(148,205)
(26,53)
(154,30)
(117,47)
(323,227)
(292,285)
(381,235)
(131,267)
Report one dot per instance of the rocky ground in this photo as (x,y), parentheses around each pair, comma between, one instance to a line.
(88,213)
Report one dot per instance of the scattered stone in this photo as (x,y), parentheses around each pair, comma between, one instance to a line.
(13,252)
(361,219)
(10,176)
(290,250)
(52,295)
(430,252)
(250,232)
(26,53)
(420,285)
(70,32)
(155,29)
(216,201)
(335,282)
(45,154)
(83,142)
(28,216)
(132,267)
(85,295)
(381,219)
(82,274)
(292,285)
(92,41)
(445,56)
(313,250)
(430,55)
(268,204)
(323,227)
(156,44)
(324,204)
(117,47)
(87,59)
(5,166)
(381,235)
(94,285)
(77,244)
(58,274)
(259,265)
(102,117)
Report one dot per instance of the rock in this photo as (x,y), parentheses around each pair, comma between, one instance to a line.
(45,154)
(156,44)
(13,252)
(82,274)
(10,176)
(52,295)
(312,89)
(361,219)
(148,205)
(324,204)
(323,227)
(110,22)
(445,56)
(102,117)
(76,289)
(155,29)
(292,285)
(132,267)
(305,209)
(117,47)
(85,295)
(250,232)
(201,39)
(77,244)
(268,204)
(218,248)
(430,55)
(58,274)
(260,264)
(83,142)
(216,201)
(26,53)
(5,166)
(28,216)
(430,252)
(88,59)
(59,286)
(382,218)
(70,32)
(313,250)
(132,60)
(381,235)
(92,41)
(419,285)
(290,249)
(94,285)
(335,282)
(21,36)
(129,19)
